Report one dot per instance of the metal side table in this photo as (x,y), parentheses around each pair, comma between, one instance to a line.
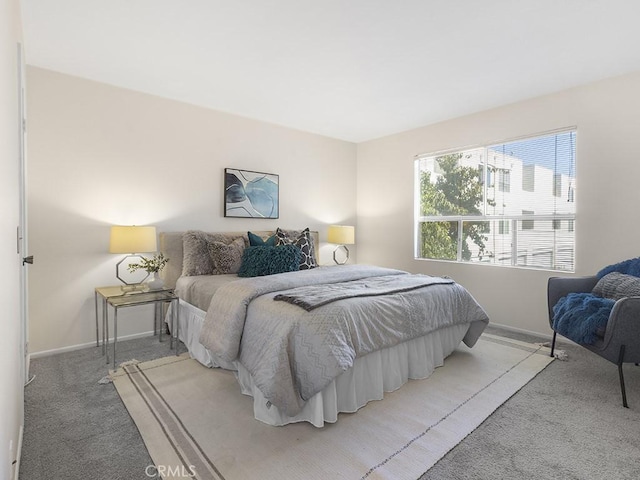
(104,293)
(116,298)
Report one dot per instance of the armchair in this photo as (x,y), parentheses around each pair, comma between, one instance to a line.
(621,341)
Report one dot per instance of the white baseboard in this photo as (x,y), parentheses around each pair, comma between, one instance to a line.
(16,465)
(522,330)
(27,363)
(46,353)
(548,336)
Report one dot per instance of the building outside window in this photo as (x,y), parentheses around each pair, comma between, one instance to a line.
(501,204)
(504,180)
(527,224)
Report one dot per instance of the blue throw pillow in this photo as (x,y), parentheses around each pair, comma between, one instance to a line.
(260,261)
(258,241)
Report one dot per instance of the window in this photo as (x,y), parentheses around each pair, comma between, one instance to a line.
(501,204)
(484,172)
(529,178)
(504,180)
(527,224)
(557,184)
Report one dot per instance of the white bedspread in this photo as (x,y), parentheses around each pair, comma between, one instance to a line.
(292,354)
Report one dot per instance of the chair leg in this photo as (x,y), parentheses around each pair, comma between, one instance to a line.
(624,393)
(553,343)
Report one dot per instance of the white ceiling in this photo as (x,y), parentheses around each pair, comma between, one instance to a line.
(349,69)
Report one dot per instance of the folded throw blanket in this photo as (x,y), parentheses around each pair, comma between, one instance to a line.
(314,296)
(628,267)
(579,316)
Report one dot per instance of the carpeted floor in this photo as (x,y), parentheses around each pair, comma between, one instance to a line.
(566,423)
(76,428)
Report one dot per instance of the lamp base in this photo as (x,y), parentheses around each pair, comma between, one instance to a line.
(134,287)
(346,258)
(127,284)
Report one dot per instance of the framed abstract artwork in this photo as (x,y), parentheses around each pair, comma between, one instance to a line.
(250,194)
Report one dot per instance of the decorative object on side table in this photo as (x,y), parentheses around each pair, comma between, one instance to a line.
(342,235)
(152,266)
(132,240)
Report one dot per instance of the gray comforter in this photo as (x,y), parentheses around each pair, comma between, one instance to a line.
(292,354)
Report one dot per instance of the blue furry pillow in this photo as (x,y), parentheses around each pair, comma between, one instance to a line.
(260,261)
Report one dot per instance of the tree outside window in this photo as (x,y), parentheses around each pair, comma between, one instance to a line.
(457,191)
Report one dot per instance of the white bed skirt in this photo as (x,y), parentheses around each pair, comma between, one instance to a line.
(378,372)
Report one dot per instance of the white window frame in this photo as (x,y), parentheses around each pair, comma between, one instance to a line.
(516,221)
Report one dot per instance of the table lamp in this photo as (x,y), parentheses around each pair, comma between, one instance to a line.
(133,241)
(342,235)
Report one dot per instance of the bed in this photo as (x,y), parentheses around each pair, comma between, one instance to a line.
(311,343)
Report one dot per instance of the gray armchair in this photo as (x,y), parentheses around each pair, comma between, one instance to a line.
(621,342)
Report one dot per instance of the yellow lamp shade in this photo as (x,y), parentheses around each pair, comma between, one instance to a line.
(341,234)
(133,239)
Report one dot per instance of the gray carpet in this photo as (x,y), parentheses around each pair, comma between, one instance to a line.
(78,429)
(567,423)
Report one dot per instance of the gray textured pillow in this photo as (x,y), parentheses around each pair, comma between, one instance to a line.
(227,258)
(616,285)
(196,258)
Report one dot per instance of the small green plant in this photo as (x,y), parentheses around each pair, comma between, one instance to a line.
(153,264)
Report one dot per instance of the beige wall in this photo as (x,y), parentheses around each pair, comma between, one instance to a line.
(11,350)
(101,155)
(607,196)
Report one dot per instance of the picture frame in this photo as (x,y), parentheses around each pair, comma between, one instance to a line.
(250,194)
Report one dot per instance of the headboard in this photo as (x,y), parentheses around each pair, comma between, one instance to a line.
(171,247)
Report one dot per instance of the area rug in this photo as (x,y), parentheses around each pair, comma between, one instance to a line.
(196,423)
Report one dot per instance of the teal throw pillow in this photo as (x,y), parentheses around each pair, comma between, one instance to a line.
(258,241)
(260,261)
